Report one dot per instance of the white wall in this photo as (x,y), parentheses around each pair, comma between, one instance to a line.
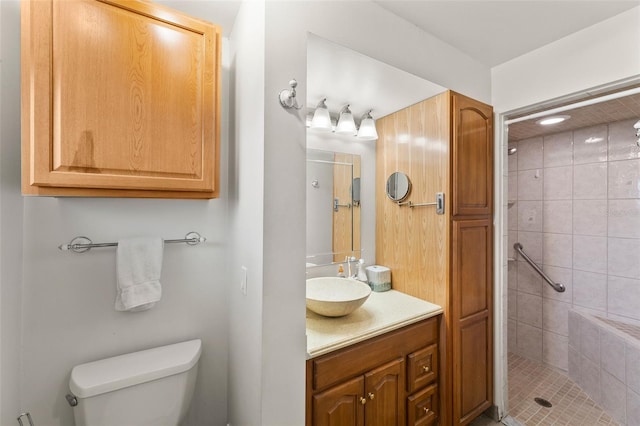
(246,205)
(68,314)
(370,30)
(603,53)
(10,213)
(67,299)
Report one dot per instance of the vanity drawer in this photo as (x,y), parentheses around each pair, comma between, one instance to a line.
(422,407)
(422,367)
(327,370)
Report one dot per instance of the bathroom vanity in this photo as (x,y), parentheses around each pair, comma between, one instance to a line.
(376,366)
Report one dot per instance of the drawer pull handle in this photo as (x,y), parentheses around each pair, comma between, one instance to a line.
(426,410)
(371,396)
(363,400)
(426,369)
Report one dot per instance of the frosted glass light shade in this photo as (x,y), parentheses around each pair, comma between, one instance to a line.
(346,125)
(321,120)
(367,131)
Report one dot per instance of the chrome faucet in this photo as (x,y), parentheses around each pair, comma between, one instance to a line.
(351,273)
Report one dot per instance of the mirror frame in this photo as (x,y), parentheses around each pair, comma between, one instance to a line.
(393,182)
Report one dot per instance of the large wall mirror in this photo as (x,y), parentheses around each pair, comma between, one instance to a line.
(333,206)
(346,77)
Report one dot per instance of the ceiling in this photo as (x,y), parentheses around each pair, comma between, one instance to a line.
(493,32)
(587,116)
(345,76)
(221,12)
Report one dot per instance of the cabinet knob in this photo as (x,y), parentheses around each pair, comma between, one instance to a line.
(425,368)
(426,410)
(371,395)
(363,400)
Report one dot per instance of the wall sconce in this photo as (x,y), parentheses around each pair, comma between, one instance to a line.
(637,127)
(321,120)
(367,131)
(346,125)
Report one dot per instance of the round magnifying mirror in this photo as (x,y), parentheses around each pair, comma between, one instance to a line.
(398,186)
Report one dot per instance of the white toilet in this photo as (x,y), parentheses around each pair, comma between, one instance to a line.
(146,388)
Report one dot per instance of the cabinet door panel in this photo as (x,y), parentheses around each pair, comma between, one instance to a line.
(472,318)
(130,89)
(384,392)
(473,378)
(472,148)
(340,405)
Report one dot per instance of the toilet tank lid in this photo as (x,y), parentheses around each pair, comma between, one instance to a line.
(106,375)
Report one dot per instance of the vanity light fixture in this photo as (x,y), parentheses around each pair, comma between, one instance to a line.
(346,125)
(367,130)
(321,120)
(555,119)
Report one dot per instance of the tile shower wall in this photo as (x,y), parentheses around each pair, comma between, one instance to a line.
(574,204)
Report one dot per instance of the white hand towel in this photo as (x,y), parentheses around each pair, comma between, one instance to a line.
(139,263)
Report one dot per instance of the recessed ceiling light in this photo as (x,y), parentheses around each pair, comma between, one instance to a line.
(593,139)
(555,119)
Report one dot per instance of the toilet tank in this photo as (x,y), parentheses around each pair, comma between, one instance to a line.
(147,388)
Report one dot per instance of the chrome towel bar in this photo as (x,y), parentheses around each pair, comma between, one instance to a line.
(556,286)
(82,244)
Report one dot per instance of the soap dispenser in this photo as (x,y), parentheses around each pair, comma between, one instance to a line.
(362,275)
(340,271)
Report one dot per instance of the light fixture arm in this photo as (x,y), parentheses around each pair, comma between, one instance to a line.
(287,97)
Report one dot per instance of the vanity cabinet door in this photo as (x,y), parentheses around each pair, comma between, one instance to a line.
(341,405)
(384,394)
(119,98)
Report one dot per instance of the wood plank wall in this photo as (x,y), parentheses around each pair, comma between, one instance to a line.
(414,242)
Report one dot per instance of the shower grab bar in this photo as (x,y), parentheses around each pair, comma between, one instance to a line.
(556,286)
(82,244)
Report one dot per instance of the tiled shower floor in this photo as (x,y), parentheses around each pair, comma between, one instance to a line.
(571,406)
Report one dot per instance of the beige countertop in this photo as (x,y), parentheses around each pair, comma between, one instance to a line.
(382,312)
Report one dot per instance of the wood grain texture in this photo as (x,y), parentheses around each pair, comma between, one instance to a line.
(413,242)
(357,359)
(472,157)
(472,315)
(385,394)
(344,219)
(131,90)
(423,407)
(340,405)
(382,363)
(444,144)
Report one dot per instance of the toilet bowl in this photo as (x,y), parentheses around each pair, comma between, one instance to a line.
(147,388)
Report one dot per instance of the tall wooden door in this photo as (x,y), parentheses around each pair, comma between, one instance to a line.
(472,157)
(471,286)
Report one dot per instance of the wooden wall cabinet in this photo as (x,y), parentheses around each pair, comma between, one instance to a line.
(119,98)
(385,381)
(445,259)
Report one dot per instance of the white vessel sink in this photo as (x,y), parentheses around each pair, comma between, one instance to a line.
(334,296)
